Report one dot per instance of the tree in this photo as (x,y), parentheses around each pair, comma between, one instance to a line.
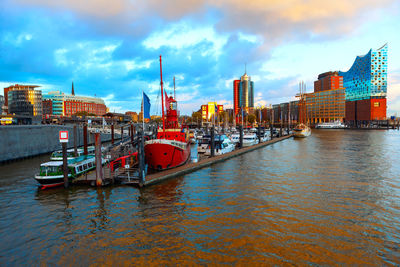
(251,118)
(196,116)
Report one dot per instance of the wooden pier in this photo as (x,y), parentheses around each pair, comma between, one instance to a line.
(131,176)
(190,167)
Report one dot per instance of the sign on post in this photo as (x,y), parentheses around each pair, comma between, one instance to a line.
(63,136)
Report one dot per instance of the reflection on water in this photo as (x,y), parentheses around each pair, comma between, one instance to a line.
(329,199)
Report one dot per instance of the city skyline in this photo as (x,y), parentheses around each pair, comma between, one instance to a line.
(112,50)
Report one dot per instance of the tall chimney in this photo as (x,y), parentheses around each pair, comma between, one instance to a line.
(73,92)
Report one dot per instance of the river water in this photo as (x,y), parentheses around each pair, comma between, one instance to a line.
(330,199)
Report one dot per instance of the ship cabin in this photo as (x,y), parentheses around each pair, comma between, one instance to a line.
(178,134)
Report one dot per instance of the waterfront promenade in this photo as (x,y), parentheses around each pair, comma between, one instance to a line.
(330,199)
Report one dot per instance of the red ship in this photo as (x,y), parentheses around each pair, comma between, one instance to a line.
(172,146)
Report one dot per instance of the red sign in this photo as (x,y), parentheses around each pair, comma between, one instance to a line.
(63,136)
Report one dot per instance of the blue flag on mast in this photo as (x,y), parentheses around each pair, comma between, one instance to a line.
(146,106)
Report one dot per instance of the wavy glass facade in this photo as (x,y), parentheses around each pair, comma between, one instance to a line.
(367,77)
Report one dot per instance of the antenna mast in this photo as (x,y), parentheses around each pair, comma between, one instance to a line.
(162,99)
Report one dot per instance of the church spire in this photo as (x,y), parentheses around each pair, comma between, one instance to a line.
(73,92)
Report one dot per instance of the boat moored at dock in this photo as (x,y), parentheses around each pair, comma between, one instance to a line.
(222,145)
(51,173)
(171,148)
(301,130)
(57,155)
(330,125)
(250,139)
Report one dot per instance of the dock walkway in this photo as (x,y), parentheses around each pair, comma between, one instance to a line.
(157,177)
(190,167)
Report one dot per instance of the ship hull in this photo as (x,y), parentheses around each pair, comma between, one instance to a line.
(162,154)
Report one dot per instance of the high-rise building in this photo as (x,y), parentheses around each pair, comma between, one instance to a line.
(366,86)
(243,95)
(23,100)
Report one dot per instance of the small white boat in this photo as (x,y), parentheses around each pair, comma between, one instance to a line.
(222,145)
(235,138)
(330,125)
(250,139)
(266,136)
(203,144)
(301,130)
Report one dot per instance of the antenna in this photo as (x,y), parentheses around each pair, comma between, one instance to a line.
(174,88)
(245,68)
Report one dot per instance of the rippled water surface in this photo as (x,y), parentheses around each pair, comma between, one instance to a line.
(330,199)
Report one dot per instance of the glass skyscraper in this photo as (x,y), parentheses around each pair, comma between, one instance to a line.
(243,94)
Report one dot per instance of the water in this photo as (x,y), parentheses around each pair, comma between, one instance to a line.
(330,199)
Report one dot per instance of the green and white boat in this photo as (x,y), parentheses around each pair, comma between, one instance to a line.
(51,173)
(57,155)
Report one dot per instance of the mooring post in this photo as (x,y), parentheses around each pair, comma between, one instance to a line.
(112,132)
(271,128)
(131,133)
(212,142)
(75,141)
(141,159)
(99,167)
(65,164)
(259,133)
(85,139)
(241,136)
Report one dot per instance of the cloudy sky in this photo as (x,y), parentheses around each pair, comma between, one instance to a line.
(111,48)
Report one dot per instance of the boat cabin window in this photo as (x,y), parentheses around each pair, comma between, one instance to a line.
(80,168)
(173,106)
(50,169)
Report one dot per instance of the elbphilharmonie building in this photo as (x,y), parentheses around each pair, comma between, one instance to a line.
(366,86)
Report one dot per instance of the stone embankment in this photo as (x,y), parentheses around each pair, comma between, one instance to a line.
(22,141)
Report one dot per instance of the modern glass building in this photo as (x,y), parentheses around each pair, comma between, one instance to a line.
(243,95)
(1,103)
(366,86)
(367,77)
(68,105)
(57,101)
(24,100)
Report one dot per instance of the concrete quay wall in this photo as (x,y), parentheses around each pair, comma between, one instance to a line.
(22,141)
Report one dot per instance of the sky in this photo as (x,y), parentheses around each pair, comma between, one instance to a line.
(111,49)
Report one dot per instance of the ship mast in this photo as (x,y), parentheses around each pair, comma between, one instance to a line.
(162,99)
(174,88)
